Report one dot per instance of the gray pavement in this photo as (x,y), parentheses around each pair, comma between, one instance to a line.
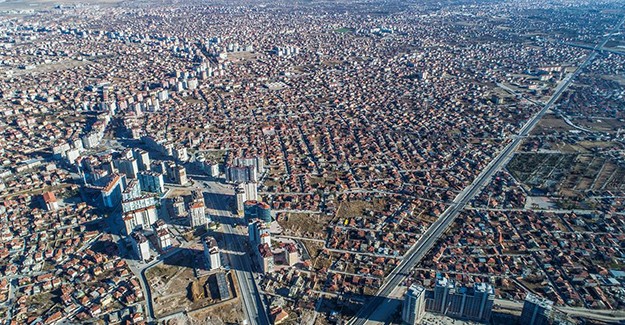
(219,207)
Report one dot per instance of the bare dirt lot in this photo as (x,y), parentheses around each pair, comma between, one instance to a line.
(175,287)
(567,174)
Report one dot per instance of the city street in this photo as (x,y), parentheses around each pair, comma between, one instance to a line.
(218,196)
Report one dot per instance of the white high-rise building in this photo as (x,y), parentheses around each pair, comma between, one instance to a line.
(164,239)
(258,232)
(141,246)
(473,303)
(239,198)
(197,214)
(251,191)
(151,181)
(413,307)
(128,166)
(211,253)
(536,310)
(143,159)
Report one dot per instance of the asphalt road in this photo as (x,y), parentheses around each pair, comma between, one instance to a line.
(251,299)
(611,316)
(429,238)
(253,305)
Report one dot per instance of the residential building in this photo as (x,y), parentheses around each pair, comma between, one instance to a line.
(258,232)
(128,167)
(112,192)
(140,218)
(241,174)
(140,246)
(211,253)
(49,199)
(180,153)
(132,190)
(164,239)
(251,191)
(141,202)
(180,175)
(257,163)
(239,199)
(151,181)
(256,209)
(265,257)
(413,307)
(536,310)
(91,140)
(291,256)
(143,159)
(197,214)
(472,303)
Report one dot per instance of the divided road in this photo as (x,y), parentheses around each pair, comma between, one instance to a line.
(240,264)
(416,253)
(250,297)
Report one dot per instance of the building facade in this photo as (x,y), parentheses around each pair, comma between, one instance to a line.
(413,307)
(140,246)
(151,182)
(211,253)
(197,215)
(536,310)
(471,303)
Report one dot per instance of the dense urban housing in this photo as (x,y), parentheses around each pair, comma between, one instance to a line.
(312,162)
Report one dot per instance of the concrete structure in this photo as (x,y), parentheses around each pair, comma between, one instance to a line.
(72,154)
(256,209)
(413,307)
(143,159)
(536,310)
(472,303)
(264,212)
(176,208)
(112,192)
(197,214)
(132,191)
(141,202)
(265,258)
(291,256)
(258,232)
(139,219)
(180,175)
(239,199)
(151,181)
(441,292)
(128,166)
(164,239)
(214,170)
(140,246)
(251,191)
(211,253)
(91,140)
(241,174)
(257,163)
(222,285)
(180,154)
